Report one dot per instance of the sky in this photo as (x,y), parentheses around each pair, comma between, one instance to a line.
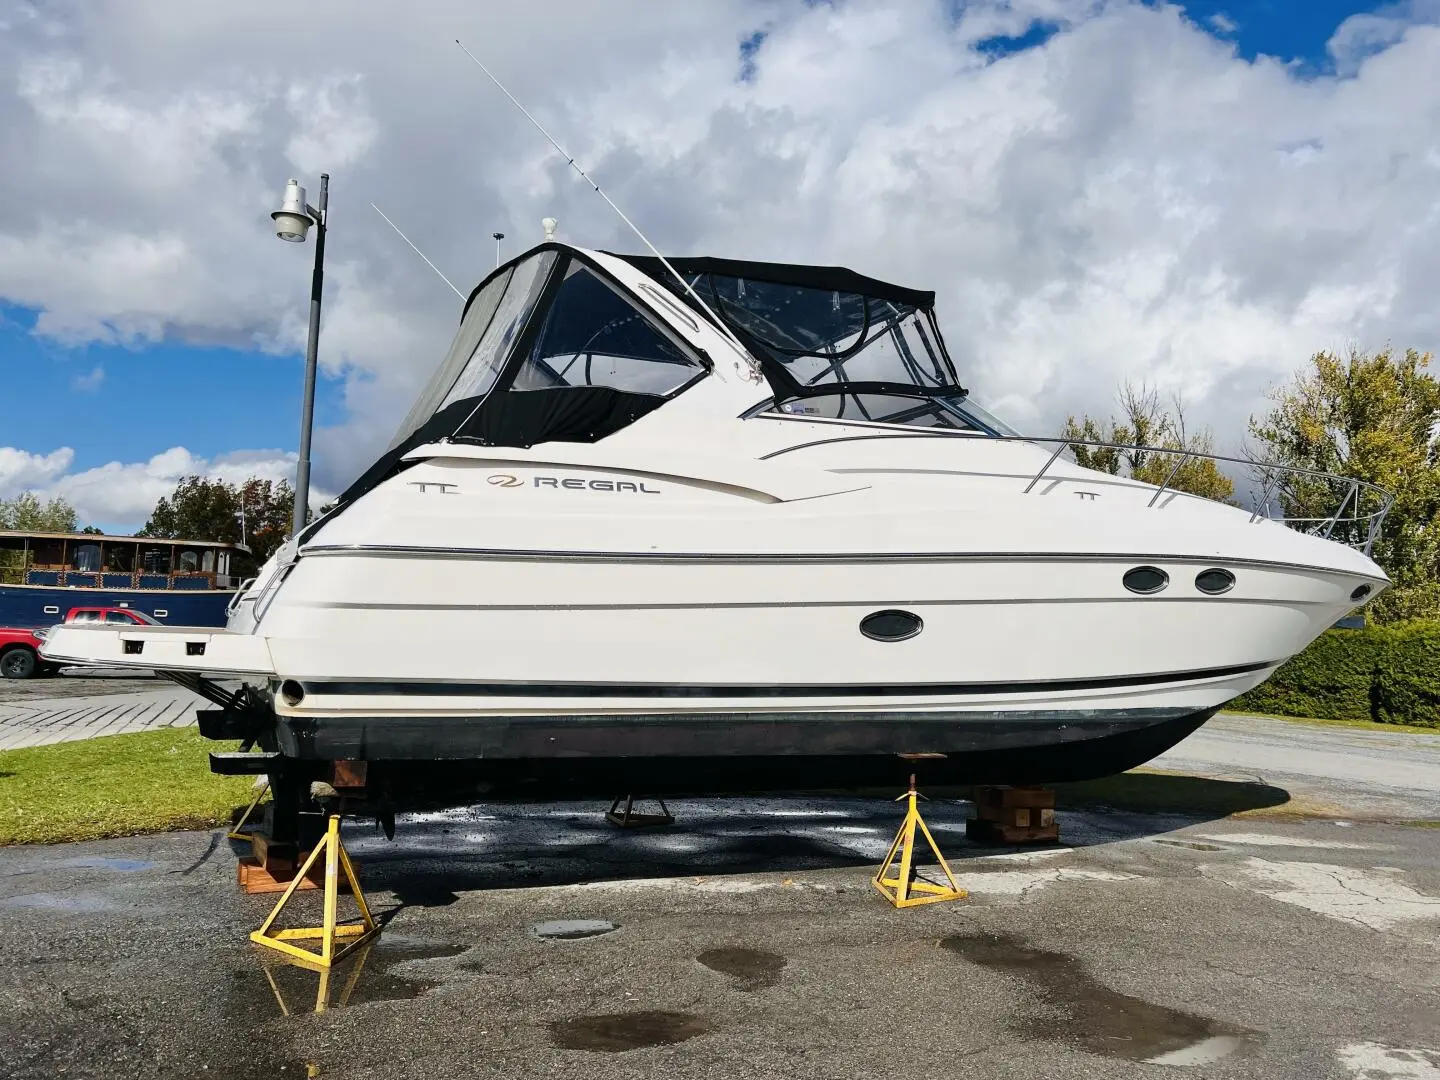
(1195,197)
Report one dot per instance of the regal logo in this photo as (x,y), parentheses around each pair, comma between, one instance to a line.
(572,483)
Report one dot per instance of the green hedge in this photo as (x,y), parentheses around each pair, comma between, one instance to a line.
(1389,674)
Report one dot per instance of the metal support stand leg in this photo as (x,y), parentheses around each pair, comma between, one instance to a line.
(329,932)
(235,833)
(906,890)
(628,819)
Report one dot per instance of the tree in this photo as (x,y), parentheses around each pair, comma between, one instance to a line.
(256,513)
(1146,423)
(198,509)
(27,513)
(268,507)
(1373,417)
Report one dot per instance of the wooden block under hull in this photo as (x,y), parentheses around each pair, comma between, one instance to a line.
(1017,817)
(276,877)
(1030,797)
(983,831)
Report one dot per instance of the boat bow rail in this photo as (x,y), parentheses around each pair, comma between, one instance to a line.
(1335,507)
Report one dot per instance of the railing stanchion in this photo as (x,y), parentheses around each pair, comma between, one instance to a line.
(1036,478)
(1340,510)
(1173,473)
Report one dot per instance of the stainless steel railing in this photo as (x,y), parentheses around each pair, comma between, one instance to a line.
(1368,503)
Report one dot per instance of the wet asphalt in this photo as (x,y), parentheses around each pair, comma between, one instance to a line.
(744,940)
(77,682)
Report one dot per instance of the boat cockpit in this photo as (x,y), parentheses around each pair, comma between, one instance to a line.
(553,348)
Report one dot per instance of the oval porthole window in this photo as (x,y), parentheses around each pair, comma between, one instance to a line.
(1361,591)
(1146,579)
(1213,582)
(891,625)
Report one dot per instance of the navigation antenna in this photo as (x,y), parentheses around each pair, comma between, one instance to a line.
(750,370)
(417,251)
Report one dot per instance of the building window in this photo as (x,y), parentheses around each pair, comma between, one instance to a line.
(85,557)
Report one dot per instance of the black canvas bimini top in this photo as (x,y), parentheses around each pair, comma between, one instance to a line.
(837,278)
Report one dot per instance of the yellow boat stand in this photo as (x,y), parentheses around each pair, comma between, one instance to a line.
(235,833)
(330,933)
(901,890)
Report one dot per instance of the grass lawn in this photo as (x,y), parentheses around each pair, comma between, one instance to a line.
(118,785)
(1362,725)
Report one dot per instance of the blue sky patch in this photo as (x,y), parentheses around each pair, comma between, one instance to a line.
(113,403)
(1003,45)
(749,47)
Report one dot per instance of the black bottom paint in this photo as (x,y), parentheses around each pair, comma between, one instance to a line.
(1095,1018)
(617,1032)
(974,753)
(752,969)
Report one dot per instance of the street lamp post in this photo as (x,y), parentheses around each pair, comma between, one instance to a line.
(292,222)
(498,236)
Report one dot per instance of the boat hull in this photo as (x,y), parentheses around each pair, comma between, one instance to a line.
(670,755)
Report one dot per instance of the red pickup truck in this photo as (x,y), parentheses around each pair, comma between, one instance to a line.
(20,649)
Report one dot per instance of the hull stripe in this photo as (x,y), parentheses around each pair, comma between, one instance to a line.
(385,688)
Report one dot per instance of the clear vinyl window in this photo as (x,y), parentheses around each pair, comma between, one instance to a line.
(593,336)
(486,361)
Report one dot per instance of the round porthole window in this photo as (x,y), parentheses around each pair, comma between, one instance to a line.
(1146,579)
(1361,591)
(1213,582)
(893,625)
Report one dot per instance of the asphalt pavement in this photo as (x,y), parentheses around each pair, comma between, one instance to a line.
(746,939)
(1361,771)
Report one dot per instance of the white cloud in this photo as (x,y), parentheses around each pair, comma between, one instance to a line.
(23,471)
(121,495)
(1223,23)
(91,382)
(1131,199)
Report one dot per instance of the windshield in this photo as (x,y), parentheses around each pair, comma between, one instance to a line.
(819,338)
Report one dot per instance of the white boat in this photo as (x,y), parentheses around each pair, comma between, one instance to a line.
(622,544)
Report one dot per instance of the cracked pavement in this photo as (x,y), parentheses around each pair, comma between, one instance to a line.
(1242,947)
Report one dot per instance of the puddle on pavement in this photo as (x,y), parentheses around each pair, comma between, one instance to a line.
(272,985)
(754,969)
(1194,845)
(572,929)
(1097,1018)
(103,862)
(616,1032)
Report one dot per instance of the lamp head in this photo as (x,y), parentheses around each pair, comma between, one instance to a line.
(292,221)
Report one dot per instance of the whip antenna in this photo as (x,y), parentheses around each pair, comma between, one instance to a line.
(417,251)
(753,372)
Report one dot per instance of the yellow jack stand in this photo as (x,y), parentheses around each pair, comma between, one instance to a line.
(628,819)
(329,934)
(235,833)
(901,890)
